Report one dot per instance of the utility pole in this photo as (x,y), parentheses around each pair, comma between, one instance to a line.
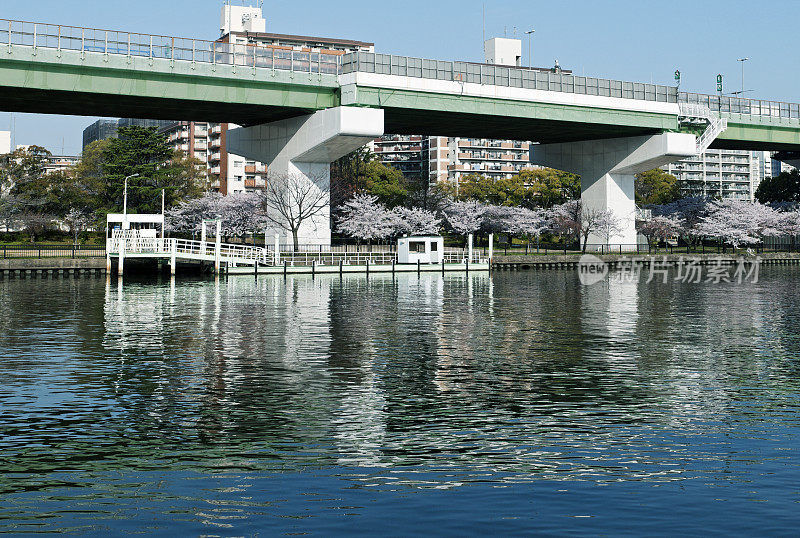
(530,47)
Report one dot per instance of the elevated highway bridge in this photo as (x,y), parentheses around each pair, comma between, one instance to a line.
(299,111)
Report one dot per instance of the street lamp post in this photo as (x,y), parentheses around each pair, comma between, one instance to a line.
(742,60)
(125,197)
(530,48)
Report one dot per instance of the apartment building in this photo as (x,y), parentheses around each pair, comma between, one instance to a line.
(403,152)
(61,163)
(497,159)
(441,158)
(719,173)
(246,26)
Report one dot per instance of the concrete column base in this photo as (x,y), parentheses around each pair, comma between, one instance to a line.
(607,168)
(301,149)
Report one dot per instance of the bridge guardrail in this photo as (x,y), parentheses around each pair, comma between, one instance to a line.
(498,75)
(32,34)
(54,36)
(742,105)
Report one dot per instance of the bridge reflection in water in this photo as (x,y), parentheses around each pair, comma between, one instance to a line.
(232,404)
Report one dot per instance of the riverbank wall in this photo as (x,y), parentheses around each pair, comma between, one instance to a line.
(21,267)
(570,261)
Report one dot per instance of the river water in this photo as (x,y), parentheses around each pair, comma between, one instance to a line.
(446,405)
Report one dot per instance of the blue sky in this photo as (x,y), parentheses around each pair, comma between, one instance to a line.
(638,40)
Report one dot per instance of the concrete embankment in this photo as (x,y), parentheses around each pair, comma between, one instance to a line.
(12,267)
(570,261)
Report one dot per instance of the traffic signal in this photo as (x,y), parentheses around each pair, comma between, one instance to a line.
(719,83)
(677,75)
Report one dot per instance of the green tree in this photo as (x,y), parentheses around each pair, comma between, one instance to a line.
(785,187)
(88,174)
(656,187)
(549,187)
(145,152)
(387,183)
(347,174)
(360,171)
(487,190)
(28,196)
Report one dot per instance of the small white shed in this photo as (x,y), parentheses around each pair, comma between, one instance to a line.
(420,248)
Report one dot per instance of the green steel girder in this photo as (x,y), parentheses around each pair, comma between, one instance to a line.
(69,82)
(413,112)
(754,136)
(47,80)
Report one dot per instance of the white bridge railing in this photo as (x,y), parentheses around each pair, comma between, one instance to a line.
(249,255)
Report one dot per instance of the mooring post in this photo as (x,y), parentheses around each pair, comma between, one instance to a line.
(469,246)
(172,257)
(121,257)
(491,246)
(419,268)
(218,247)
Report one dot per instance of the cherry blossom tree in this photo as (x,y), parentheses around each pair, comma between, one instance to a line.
(364,218)
(526,222)
(659,228)
(240,213)
(740,222)
(565,220)
(465,217)
(496,218)
(689,211)
(417,221)
(574,221)
(77,221)
(789,224)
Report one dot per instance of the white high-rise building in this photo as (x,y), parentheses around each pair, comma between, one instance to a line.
(5,142)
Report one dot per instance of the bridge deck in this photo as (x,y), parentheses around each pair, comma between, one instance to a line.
(66,70)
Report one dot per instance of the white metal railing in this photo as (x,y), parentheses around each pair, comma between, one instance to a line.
(701,113)
(249,255)
(93,40)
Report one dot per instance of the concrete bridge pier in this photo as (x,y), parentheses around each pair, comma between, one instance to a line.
(298,151)
(607,168)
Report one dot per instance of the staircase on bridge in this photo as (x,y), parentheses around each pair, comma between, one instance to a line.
(697,114)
